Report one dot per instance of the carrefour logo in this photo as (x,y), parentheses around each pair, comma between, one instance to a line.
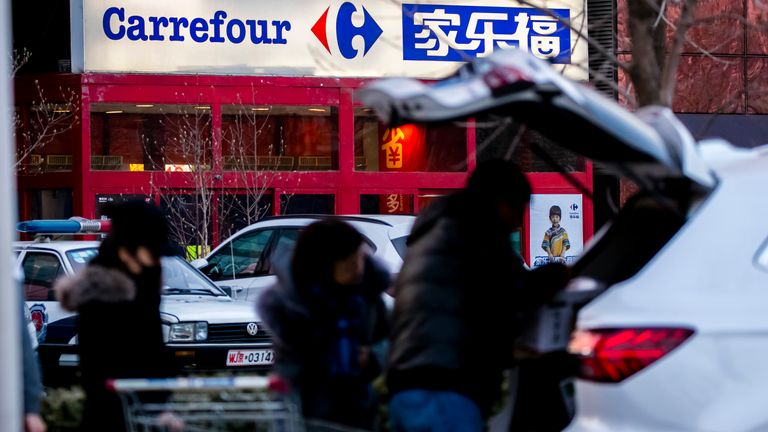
(346,30)
(117,24)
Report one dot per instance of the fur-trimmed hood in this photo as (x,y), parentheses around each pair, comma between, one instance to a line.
(94,283)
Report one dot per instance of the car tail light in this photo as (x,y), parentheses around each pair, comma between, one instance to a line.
(612,355)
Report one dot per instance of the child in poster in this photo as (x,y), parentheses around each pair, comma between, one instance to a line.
(555,241)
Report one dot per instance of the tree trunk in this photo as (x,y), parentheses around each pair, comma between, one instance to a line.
(648,34)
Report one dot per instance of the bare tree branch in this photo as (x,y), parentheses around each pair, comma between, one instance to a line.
(18,60)
(47,121)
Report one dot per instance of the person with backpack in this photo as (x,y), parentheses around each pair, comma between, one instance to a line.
(328,320)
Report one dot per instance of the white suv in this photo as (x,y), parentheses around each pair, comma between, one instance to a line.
(242,263)
(204,327)
(675,328)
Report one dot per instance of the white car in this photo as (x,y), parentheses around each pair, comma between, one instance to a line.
(242,263)
(204,327)
(675,328)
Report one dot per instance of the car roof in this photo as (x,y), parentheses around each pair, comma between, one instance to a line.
(361,222)
(371,226)
(59,246)
(390,220)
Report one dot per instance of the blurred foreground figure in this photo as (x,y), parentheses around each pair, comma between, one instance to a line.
(327,320)
(33,388)
(459,301)
(118,300)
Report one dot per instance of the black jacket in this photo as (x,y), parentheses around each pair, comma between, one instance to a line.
(119,335)
(303,329)
(459,300)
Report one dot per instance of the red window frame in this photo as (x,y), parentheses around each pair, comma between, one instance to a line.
(346,183)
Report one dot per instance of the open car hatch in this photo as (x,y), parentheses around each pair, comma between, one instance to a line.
(649,145)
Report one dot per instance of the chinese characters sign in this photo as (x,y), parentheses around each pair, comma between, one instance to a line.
(457,33)
(396,204)
(403,148)
(354,38)
(393,148)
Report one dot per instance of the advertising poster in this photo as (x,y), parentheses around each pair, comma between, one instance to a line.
(557,224)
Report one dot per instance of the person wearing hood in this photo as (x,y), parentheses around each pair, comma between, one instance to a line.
(460,298)
(326,317)
(117,298)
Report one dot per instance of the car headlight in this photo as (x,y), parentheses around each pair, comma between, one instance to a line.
(188,332)
(201,331)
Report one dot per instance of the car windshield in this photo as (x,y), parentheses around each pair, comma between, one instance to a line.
(179,278)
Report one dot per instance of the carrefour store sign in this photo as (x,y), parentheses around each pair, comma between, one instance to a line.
(320,38)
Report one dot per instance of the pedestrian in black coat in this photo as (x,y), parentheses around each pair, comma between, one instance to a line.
(460,299)
(327,320)
(117,297)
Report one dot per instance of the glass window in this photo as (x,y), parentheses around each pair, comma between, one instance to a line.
(386,204)
(400,244)
(79,258)
(240,258)
(408,148)
(761,257)
(146,137)
(180,278)
(280,138)
(425,199)
(500,138)
(307,204)
(40,271)
(46,133)
(238,211)
(287,237)
(102,200)
(51,204)
(189,222)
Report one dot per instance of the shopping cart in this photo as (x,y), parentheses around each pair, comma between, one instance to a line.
(243,403)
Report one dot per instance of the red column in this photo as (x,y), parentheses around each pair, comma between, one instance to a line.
(83,195)
(347,200)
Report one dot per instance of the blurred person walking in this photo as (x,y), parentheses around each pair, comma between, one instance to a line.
(459,301)
(117,297)
(327,320)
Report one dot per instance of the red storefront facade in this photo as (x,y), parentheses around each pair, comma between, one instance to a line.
(347,180)
(225,147)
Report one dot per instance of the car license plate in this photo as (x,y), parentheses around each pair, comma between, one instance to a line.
(250,357)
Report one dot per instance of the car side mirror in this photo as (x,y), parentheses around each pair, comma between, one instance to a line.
(199,263)
(227,289)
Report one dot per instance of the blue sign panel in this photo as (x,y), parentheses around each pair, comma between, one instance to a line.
(457,33)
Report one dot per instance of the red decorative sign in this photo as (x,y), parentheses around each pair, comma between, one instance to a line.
(402,149)
(395,204)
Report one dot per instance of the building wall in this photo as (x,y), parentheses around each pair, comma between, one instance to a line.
(724,65)
(722,80)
